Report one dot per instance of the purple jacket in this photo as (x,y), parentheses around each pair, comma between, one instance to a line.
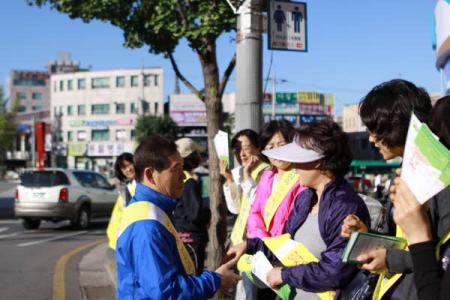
(330,273)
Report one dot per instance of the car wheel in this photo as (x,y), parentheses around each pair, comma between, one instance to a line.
(82,218)
(29,224)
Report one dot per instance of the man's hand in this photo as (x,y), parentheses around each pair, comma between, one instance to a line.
(352,223)
(409,214)
(374,261)
(228,278)
(235,252)
(274,278)
(225,172)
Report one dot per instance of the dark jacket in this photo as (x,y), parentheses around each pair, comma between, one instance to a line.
(190,215)
(330,273)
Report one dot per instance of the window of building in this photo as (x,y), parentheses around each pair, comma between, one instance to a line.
(29,82)
(21,95)
(100,135)
(69,84)
(81,84)
(69,110)
(69,136)
(133,108)
(156,108)
(121,134)
(134,80)
(61,85)
(100,109)
(37,107)
(36,96)
(81,109)
(22,109)
(81,135)
(133,134)
(147,80)
(155,79)
(120,81)
(120,108)
(100,82)
(61,110)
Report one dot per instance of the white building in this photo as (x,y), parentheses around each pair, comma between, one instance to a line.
(96,111)
(351,120)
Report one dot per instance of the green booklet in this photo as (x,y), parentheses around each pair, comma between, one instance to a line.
(360,243)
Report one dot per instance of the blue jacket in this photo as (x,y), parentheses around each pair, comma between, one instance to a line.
(148,263)
(330,273)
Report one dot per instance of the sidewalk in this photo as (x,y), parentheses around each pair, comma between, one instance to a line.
(97,274)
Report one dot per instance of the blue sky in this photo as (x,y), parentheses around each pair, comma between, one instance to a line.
(353,45)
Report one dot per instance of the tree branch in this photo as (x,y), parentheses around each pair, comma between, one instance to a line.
(226,75)
(181,77)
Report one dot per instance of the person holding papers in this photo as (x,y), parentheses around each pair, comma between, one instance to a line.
(386,112)
(239,190)
(431,276)
(321,156)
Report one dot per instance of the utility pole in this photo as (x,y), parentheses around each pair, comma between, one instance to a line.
(249,64)
(33,143)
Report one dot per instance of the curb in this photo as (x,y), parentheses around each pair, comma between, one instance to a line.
(94,276)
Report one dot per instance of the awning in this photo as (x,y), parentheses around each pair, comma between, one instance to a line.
(375,163)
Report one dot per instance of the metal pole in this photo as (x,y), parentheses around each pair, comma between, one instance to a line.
(249,66)
(33,143)
(274,95)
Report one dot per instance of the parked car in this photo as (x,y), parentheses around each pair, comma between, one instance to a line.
(58,194)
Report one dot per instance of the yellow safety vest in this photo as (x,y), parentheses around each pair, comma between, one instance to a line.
(143,210)
(187,176)
(237,234)
(445,238)
(285,184)
(116,215)
(289,253)
(293,253)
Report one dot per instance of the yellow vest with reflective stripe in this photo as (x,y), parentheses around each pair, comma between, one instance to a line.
(116,215)
(143,210)
(237,234)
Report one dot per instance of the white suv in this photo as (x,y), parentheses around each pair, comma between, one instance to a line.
(59,194)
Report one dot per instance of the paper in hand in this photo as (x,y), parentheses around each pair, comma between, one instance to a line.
(221,145)
(426,162)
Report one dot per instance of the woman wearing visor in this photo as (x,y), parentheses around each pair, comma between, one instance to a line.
(321,155)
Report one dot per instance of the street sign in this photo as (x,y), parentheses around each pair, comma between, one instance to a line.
(287,25)
(235,5)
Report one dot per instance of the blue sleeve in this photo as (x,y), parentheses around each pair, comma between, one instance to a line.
(330,273)
(158,268)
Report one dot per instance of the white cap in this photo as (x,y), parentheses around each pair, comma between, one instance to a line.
(186,146)
(294,153)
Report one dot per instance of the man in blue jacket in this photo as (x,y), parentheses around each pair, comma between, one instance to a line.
(152,262)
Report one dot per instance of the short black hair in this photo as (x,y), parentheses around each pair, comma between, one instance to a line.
(386,110)
(192,161)
(269,129)
(118,165)
(328,138)
(440,120)
(153,152)
(250,134)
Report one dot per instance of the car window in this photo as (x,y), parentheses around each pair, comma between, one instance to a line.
(43,178)
(102,182)
(86,179)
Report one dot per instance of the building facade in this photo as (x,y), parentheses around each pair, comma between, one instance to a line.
(351,121)
(95,112)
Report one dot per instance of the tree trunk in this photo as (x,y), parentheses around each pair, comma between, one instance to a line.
(218,228)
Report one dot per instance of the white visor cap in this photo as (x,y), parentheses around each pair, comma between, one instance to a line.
(294,153)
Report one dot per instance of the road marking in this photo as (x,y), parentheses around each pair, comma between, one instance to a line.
(9,221)
(51,239)
(4,236)
(3,229)
(59,285)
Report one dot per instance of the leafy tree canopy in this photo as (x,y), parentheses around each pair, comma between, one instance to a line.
(148,125)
